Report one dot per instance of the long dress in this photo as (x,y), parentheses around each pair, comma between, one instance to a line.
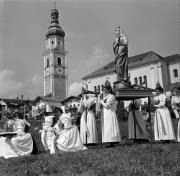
(88,128)
(48,136)
(163,128)
(175,101)
(68,139)
(110,127)
(140,127)
(19,145)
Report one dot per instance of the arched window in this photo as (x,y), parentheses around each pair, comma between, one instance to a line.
(135,81)
(52,42)
(59,61)
(47,62)
(145,80)
(140,80)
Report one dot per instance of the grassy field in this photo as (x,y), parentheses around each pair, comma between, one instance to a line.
(124,159)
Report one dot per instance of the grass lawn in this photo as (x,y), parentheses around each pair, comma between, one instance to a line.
(129,159)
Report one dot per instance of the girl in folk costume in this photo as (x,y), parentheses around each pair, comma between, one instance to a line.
(88,129)
(48,132)
(19,145)
(163,128)
(68,139)
(175,102)
(141,133)
(110,127)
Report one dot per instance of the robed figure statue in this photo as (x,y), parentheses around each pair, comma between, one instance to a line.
(120,47)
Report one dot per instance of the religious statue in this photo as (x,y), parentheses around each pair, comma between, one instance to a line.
(120,47)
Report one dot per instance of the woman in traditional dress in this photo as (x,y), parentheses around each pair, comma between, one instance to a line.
(88,129)
(135,116)
(68,139)
(163,128)
(19,145)
(110,127)
(175,102)
(48,134)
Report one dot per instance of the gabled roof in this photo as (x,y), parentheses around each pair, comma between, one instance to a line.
(70,98)
(140,59)
(172,58)
(15,102)
(45,98)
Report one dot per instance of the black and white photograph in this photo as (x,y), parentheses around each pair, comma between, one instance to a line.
(89,87)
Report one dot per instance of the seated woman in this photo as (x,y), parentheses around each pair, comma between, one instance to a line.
(19,145)
(68,139)
(135,116)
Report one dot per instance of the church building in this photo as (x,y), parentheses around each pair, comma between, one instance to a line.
(55,64)
(145,69)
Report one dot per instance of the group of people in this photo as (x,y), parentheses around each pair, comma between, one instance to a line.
(109,123)
(58,134)
(163,126)
(162,122)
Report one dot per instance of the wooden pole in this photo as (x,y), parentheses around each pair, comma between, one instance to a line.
(149,108)
(133,112)
(86,115)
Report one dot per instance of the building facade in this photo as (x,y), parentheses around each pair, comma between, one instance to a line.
(55,65)
(144,69)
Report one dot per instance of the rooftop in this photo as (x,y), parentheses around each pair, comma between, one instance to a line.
(133,61)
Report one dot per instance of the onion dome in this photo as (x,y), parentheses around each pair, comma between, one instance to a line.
(55,28)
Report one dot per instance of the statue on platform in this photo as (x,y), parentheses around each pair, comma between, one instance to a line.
(120,48)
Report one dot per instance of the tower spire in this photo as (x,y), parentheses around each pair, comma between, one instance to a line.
(54,3)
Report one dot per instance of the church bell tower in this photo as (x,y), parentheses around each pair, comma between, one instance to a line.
(55,67)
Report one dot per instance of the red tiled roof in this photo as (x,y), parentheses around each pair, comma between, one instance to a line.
(134,61)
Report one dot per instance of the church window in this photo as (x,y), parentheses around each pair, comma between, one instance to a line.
(47,63)
(59,61)
(145,80)
(135,81)
(102,87)
(98,88)
(140,80)
(95,89)
(52,42)
(175,72)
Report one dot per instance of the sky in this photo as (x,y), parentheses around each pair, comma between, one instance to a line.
(150,25)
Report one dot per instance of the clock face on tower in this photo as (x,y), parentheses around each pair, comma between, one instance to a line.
(59,70)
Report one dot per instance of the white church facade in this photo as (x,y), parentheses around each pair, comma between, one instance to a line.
(144,69)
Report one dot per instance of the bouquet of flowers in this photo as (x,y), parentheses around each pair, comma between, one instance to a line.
(156,102)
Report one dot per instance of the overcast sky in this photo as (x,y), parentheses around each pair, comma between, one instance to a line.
(151,25)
